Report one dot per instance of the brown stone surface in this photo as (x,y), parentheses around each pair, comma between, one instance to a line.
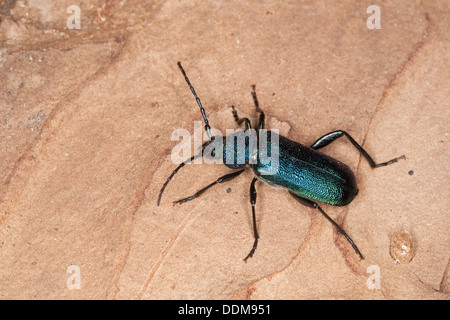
(86,118)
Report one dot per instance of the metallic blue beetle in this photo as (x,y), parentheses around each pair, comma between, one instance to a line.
(307,174)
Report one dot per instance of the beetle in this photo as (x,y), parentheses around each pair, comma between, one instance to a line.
(307,174)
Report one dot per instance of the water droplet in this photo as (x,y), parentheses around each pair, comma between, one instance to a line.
(402,247)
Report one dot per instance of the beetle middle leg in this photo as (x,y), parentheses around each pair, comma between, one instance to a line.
(255,230)
(312,204)
(330,137)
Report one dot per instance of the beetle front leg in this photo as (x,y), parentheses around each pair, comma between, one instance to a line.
(262,117)
(222,179)
(330,137)
(239,121)
(312,204)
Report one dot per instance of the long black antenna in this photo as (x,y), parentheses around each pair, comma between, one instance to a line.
(202,110)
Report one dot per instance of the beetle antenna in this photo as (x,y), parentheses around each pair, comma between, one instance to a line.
(198,155)
(173,173)
(202,110)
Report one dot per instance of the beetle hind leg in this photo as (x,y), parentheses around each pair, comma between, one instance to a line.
(312,204)
(332,136)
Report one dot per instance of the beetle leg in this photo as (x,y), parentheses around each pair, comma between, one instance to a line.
(239,121)
(330,137)
(312,204)
(224,178)
(261,122)
(255,230)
